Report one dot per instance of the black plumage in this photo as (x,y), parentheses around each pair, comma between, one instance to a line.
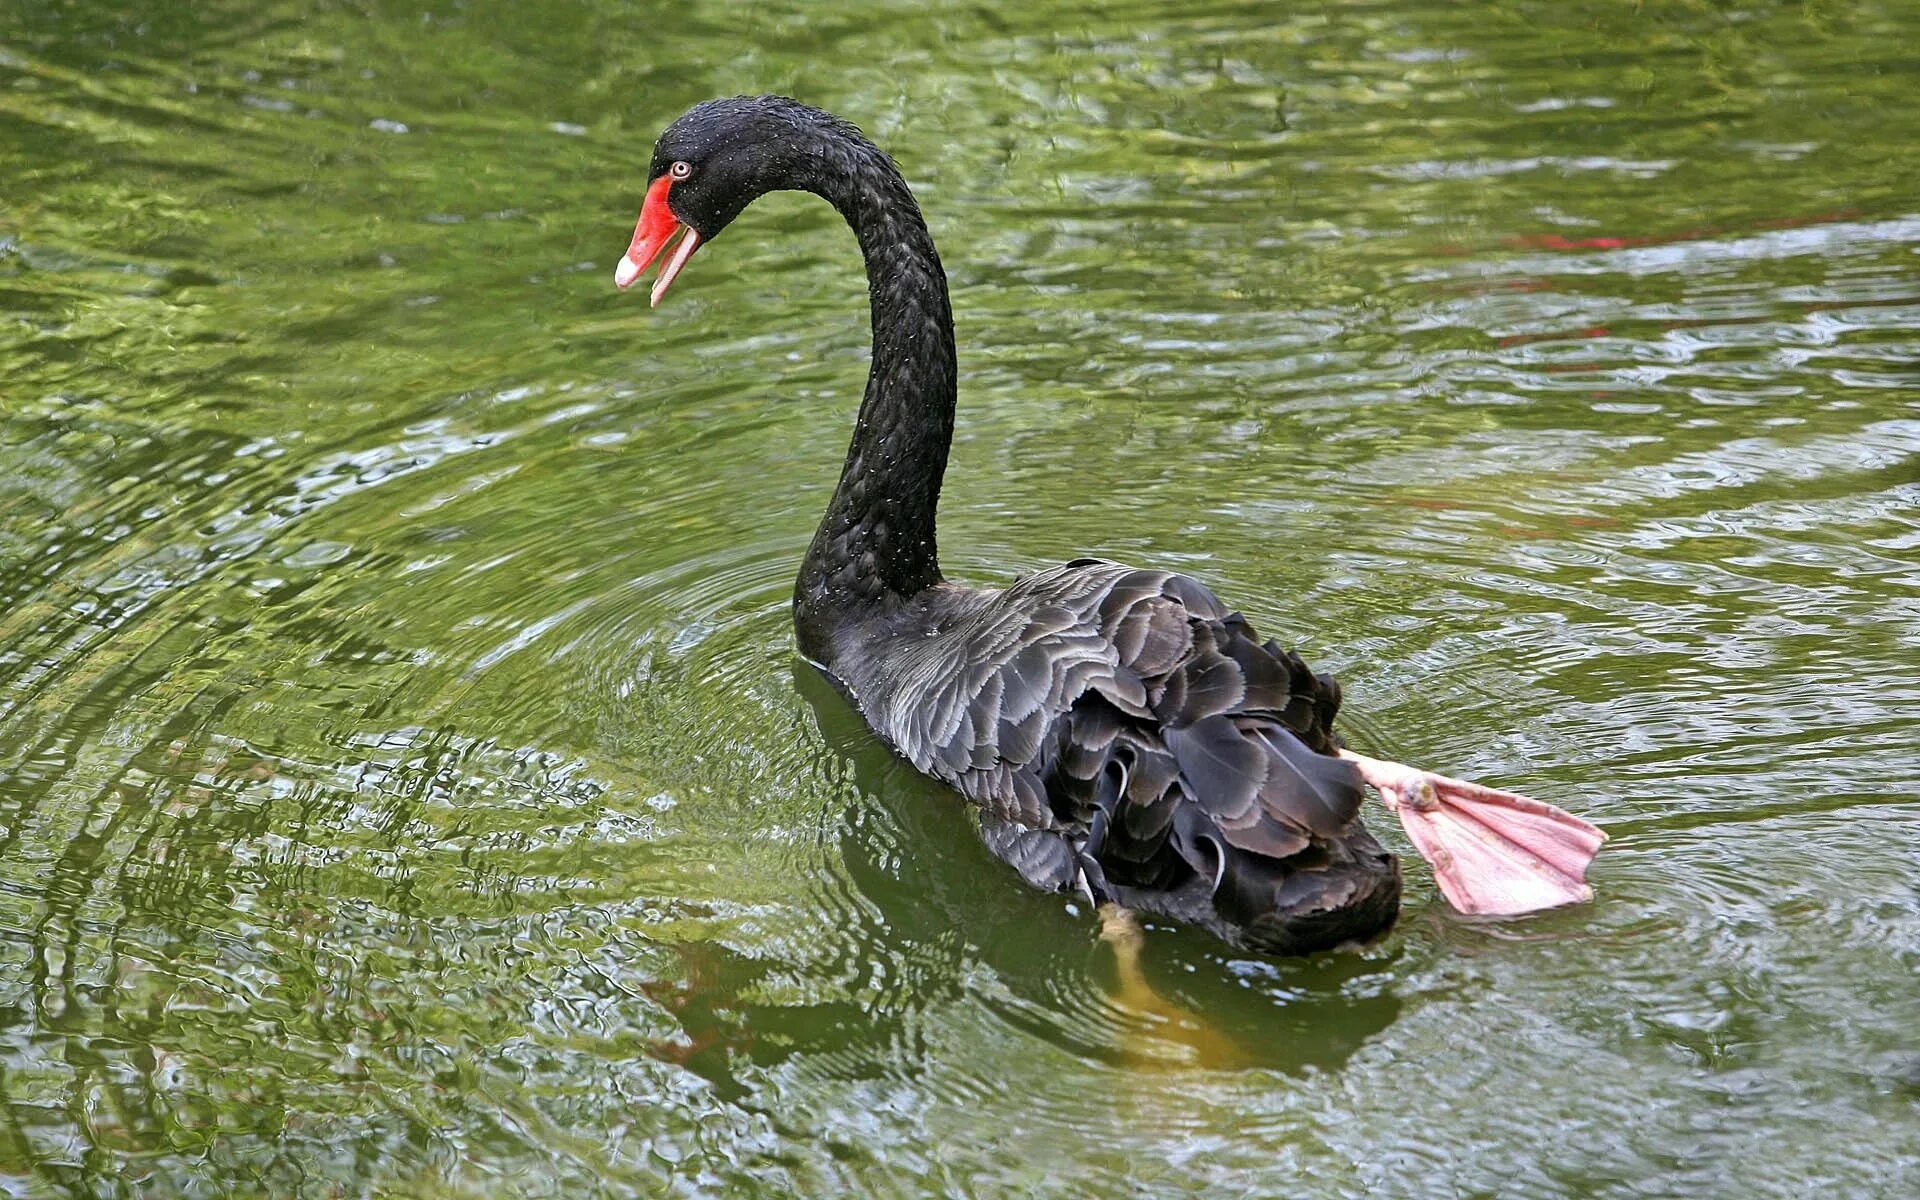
(1121,730)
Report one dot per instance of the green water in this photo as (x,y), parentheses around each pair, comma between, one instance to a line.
(406,786)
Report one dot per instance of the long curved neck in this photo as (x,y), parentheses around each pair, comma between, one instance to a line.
(877,538)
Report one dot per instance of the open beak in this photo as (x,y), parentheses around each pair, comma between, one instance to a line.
(656,228)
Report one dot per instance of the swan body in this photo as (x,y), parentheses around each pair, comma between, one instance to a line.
(1122,732)
(1125,734)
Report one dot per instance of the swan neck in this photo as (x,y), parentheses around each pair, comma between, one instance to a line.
(877,537)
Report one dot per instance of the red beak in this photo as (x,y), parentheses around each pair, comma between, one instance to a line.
(656,228)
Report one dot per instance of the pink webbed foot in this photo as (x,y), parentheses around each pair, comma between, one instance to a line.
(1492,852)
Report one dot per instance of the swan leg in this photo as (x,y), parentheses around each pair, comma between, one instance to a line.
(1492,852)
(1121,930)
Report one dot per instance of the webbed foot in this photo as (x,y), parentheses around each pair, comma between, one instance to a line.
(1492,852)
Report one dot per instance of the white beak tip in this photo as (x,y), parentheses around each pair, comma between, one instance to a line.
(625,272)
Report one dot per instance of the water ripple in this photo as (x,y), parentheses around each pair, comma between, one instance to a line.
(406,780)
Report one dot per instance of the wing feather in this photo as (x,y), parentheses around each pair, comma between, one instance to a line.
(1125,712)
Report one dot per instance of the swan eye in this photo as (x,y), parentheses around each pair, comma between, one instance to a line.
(681,169)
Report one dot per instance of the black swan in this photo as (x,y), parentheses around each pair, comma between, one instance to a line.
(1123,733)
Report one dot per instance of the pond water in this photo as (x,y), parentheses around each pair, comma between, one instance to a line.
(406,783)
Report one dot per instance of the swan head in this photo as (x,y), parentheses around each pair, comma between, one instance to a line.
(715,160)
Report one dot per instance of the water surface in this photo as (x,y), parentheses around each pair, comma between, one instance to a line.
(406,782)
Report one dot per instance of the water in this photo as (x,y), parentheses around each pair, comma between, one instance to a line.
(406,786)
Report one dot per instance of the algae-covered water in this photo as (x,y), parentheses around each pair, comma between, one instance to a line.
(407,786)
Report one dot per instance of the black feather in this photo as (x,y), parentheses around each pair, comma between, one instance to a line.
(1316,791)
(1224,766)
(1097,695)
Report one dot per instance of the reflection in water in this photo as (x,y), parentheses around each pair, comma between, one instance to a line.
(405,788)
